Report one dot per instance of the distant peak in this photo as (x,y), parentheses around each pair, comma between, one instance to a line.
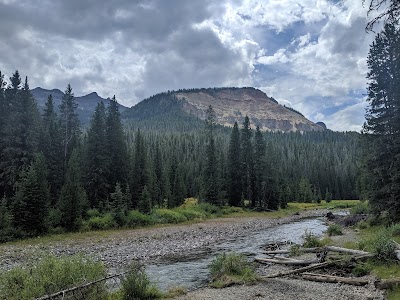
(93,94)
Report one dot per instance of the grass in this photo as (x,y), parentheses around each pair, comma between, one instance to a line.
(230,269)
(51,275)
(334,229)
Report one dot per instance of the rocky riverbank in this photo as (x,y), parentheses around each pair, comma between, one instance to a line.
(116,249)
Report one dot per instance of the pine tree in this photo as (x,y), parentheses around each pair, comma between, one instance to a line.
(382,128)
(97,158)
(70,124)
(6,228)
(73,198)
(259,165)
(120,205)
(20,134)
(116,144)
(32,199)
(211,173)
(145,201)
(234,168)
(247,161)
(52,148)
(140,171)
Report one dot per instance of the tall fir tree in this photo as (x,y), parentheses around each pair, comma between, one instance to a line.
(32,199)
(382,127)
(234,168)
(140,171)
(21,133)
(247,161)
(52,147)
(97,162)
(73,199)
(116,146)
(259,167)
(211,172)
(70,124)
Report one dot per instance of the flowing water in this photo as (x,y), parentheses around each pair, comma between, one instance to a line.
(192,272)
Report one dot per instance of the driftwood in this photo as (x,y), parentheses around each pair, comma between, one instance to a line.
(333,279)
(385,284)
(293,262)
(300,270)
(321,249)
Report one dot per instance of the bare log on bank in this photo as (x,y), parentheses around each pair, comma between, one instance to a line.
(321,249)
(334,279)
(283,261)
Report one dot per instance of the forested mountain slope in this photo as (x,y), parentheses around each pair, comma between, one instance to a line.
(230,105)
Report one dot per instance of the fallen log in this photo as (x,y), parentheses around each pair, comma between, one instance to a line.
(321,249)
(334,279)
(386,284)
(293,262)
(300,270)
(345,250)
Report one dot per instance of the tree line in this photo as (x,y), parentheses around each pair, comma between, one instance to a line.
(54,173)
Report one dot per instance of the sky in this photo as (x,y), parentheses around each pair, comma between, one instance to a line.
(307,54)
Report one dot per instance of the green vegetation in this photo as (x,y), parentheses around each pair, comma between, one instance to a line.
(360,208)
(136,285)
(334,229)
(51,275)
(232,268)
(311,241)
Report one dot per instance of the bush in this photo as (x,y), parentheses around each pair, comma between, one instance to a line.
(163,215)
(361,270)
(334,229)
(136,218)
(360,209)
(93,213)
(51,275)
(232,210)
(310,240)
(191,213)
(384,247)
(395,230)
(100,223)
(210,209)
(231,268)
(136,285)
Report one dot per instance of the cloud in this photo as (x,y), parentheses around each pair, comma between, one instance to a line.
(309,53)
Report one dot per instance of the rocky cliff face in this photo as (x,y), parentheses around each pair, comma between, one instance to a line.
(233,104)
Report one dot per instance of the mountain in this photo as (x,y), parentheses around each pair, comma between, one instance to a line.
(230,105)
(86,104)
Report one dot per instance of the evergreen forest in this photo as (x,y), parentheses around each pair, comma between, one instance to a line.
(55,174)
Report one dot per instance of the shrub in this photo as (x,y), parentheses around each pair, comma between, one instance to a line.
(294,250)
(232,210)
(361,270)
(384,247)
(51,275)
(163,215)
(395,230)
(231,268)
(136,218)
(210,209)
(100,223)
(136,285)
(93,213)
(310,240)
(190,213)
(360,209)
(334,229)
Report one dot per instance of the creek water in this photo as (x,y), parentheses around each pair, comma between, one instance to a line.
(191,271)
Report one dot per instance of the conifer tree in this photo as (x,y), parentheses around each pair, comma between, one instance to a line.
(117,149)
(140,171)
(52,148)
(6,229)
(120,205)
(234,168)
(247,161)
(20,134)
(382,127)
(145,201)
(97,158)
(73,198)
(211,173)
(32,199)
(259,165)
(70,124)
